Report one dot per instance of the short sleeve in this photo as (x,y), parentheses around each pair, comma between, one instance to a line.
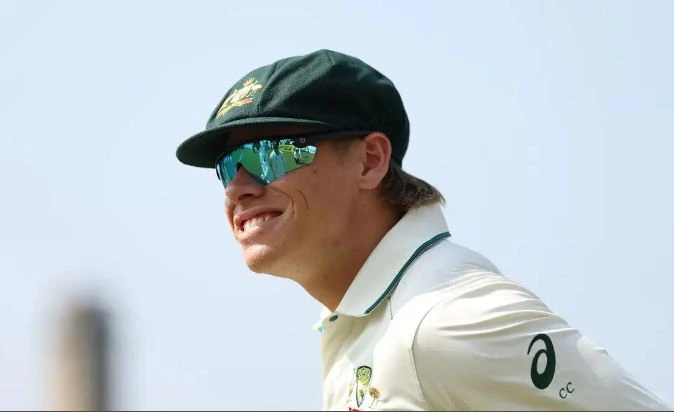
(493,345)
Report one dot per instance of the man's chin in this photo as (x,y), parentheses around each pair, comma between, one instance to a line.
(268,261)
(259,259)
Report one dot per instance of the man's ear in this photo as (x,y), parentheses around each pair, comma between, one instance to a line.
(375,158)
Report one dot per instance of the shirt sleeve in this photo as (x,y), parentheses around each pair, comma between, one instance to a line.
(495,346)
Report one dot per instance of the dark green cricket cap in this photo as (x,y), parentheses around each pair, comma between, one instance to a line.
(325,90)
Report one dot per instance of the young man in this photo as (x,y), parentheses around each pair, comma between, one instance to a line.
(412,320)
(277,161)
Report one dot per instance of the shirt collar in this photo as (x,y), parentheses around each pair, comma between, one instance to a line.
(418,230)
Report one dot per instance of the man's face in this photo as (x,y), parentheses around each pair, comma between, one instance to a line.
(293,222)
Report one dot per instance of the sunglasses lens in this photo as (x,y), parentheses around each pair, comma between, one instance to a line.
(265,160)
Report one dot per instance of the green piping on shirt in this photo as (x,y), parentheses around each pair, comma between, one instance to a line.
(421,249)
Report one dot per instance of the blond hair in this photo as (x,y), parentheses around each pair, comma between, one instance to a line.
(404,191)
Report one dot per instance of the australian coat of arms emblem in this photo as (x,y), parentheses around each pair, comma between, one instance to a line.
(240,97)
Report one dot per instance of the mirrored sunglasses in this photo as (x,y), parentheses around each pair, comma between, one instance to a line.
(268,159)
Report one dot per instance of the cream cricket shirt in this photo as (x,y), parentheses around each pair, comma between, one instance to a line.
(430,325)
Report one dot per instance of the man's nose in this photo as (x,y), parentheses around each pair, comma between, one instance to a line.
(243,186)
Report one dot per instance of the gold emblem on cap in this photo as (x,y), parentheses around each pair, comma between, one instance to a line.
(240,97)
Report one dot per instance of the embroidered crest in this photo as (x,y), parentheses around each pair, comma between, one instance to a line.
(240,97)
(362,388)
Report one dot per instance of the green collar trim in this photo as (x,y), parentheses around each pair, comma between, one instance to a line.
(420,250)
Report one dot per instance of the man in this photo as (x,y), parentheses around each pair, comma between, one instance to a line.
(265,158)
(412,320)
(277,161)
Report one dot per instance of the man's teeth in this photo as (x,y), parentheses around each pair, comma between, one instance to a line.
(256,221)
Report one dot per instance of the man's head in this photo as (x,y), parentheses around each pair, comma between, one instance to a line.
(342,132)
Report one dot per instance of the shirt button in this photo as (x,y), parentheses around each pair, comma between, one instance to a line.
(333,318)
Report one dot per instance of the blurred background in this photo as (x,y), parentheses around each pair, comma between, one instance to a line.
(548,126)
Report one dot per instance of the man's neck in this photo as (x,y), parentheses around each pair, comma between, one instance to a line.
(332,278)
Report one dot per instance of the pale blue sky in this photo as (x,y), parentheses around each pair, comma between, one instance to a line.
(548,126)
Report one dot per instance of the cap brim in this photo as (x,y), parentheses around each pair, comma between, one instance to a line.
(204,148)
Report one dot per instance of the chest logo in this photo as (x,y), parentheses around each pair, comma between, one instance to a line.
(361,386)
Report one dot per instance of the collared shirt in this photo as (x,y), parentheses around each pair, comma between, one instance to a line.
(430,325)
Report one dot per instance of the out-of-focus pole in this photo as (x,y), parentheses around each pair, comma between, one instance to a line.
(82,377)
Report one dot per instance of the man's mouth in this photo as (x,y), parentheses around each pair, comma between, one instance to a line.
(257,221)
